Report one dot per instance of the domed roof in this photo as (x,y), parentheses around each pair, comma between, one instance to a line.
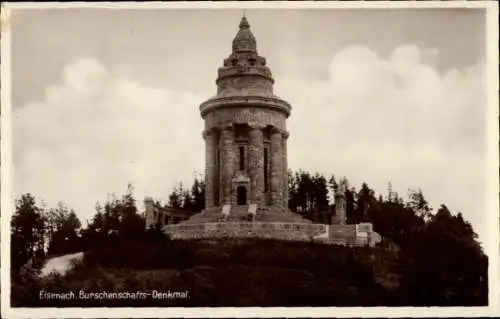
(244,41)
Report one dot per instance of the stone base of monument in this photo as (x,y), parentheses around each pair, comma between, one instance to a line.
(243,213)
(271,223)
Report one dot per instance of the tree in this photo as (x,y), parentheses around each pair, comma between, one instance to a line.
(308,195)
(174,199)
(98,220)
(320,189)
(198,195)
(364,202)
(443,264)
(390,193)
(27,232)
(117,220)
(418,203)
(350,203)
(95,233)
(131,224)
(65,238)
(187,200)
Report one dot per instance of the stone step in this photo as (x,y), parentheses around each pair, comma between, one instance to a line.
(207,216)
(271,214)
(239,213)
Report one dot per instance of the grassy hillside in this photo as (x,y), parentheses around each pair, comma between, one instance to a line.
(230,272)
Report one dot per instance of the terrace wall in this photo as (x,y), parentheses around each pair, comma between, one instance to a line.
(331,234)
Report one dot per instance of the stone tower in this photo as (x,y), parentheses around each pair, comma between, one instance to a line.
(245,131)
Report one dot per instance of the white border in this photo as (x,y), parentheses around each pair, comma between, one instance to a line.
(491,169)
(253,5)
(6,167)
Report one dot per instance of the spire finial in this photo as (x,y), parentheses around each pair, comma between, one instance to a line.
(244,22)
(244,41)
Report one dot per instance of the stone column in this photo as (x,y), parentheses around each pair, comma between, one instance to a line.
(340,206)
(285,170)
(226,163)
(256,164)
(276,168)
(149,213)
(210,183)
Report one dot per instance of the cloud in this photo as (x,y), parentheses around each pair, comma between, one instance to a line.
(394,119)
(376,119)
(95,132)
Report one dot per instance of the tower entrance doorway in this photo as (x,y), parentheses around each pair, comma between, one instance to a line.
(241,195)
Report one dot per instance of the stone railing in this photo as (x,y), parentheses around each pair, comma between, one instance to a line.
(335,234)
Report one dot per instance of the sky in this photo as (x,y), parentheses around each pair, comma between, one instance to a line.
(102,98)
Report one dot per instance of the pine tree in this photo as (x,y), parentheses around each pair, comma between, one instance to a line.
(27,231)
(174,200)
(418,203)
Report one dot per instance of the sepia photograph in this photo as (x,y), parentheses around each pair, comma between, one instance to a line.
(300,156)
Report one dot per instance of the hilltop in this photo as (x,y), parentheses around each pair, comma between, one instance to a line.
(426,258)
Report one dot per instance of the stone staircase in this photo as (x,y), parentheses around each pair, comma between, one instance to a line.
(241,213)
(210,215)
(275,214)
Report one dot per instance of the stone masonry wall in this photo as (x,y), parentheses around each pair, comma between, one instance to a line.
(337,234)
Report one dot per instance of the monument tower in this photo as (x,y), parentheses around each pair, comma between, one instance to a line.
(246,177)
(245,131)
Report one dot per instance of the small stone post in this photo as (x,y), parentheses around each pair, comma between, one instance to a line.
(149,213)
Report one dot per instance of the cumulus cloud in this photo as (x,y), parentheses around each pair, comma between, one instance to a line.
(376,119)
(95,132)
(395,119)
